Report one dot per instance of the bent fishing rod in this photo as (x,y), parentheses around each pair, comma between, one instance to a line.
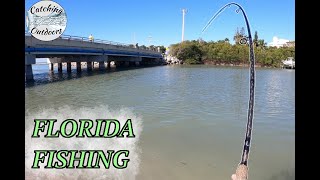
(242,170)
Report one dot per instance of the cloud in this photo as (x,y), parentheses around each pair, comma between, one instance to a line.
(277,42)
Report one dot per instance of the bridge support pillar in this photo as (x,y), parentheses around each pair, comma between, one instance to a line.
(89,66)
(78,66)
(108,64)
(117,64)
(29,73)
(59,67)
(158,61)
(113,64)
(101,65)
(51,67)
(68,67)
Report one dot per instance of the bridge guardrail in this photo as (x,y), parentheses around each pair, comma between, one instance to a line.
(100,41)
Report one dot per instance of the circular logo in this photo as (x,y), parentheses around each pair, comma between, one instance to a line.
(46,20)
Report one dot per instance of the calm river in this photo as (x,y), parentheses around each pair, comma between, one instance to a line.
(194,117)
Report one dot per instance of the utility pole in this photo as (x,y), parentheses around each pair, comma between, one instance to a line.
(184,11)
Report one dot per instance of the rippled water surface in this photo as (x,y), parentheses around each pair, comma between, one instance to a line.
(194,117)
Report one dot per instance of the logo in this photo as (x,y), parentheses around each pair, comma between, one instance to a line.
(46,20)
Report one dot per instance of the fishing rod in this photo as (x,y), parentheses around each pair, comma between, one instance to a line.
(242,169)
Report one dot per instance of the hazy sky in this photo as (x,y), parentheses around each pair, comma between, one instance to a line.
(160,22)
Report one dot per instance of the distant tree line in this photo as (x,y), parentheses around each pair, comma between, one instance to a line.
(151,47)
(200,51)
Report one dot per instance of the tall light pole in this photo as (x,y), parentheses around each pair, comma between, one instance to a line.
(184,11)
(242,170)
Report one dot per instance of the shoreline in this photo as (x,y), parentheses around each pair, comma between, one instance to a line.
(230,65)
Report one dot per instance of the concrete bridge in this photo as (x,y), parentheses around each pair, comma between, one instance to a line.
(67,49)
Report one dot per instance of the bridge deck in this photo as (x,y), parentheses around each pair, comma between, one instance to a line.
(66,45)
(67,49)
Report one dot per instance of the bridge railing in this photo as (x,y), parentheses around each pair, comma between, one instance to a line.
(100,41)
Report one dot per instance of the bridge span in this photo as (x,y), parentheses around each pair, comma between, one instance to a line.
(67,49)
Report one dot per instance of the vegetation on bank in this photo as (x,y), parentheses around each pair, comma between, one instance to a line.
(222,52)
(151,47)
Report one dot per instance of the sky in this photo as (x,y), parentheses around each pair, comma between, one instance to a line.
(157,22)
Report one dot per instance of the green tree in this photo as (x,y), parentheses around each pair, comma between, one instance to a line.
(261,43)
(187,51)
(242,31)
(152,47)
(162,49)
(200,40)
(239,35)
(143,47)
(195,51)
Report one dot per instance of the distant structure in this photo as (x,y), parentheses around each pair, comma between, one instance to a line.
(184,11)
(290,44)
(276,42)
(289,63)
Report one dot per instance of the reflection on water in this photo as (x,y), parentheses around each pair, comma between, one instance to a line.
(194,117)
(44,76)
(284,175)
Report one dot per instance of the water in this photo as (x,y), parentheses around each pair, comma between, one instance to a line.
(193,117)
